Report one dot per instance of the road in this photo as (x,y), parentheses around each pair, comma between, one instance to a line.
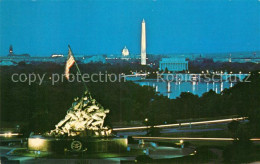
(189,138)
(183,124)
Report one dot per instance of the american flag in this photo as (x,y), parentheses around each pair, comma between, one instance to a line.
(69,64)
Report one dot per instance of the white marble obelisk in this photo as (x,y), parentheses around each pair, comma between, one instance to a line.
(143,44)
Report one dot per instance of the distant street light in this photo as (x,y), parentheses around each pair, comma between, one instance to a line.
(146,122)
(182,145)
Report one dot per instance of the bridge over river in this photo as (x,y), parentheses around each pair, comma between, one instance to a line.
(191,77)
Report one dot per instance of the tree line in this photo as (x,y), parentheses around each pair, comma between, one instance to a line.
(39,107)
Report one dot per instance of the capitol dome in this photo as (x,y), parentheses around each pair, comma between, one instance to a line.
(125,52)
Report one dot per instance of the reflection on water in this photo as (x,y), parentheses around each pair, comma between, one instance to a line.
(174,89)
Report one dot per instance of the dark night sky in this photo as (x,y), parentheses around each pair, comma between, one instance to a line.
(104,27)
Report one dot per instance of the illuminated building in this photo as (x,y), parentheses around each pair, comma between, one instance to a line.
(125,52)
(173,64)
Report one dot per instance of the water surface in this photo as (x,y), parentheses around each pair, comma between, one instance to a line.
(174,89)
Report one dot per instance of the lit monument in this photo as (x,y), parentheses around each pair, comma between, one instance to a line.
(11,49)
(143,44)
(84,115)
(125,52)
(82,129)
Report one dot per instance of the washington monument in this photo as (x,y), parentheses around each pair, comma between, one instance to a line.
(143,44)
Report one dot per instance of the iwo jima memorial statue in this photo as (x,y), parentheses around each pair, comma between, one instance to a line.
(82,129)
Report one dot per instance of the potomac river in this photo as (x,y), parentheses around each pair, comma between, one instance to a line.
(173,89)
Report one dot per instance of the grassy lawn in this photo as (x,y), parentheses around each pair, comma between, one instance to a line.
(206,134)
(207,118)
(211,144)
(25,152)
(209,126)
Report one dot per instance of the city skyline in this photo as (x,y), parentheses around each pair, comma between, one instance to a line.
(42,28)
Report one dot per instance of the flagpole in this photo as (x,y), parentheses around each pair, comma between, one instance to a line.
(79,70)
